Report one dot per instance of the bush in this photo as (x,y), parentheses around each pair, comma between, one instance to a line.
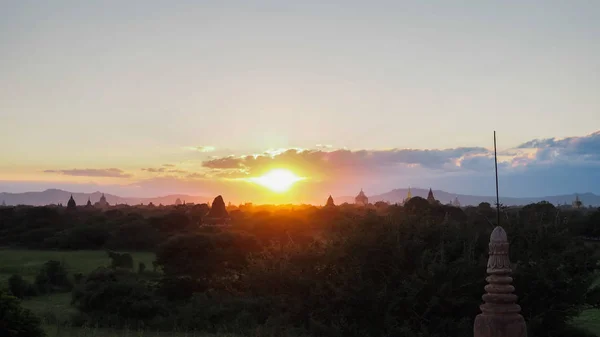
(222,313)
(117,298)
(53,277)
(17,320)
(180,288)
(20,288)
(120,260)
(77,277)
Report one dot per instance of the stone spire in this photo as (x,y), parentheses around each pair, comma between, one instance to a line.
(408,196)
(361,198)
(102,203)
(71,203)
(430,197)
(577,203)
(500,315)
(329,202)
(218,209)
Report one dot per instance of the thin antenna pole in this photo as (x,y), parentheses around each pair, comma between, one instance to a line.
(497,195)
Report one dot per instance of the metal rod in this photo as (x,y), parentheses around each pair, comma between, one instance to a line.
(497,195)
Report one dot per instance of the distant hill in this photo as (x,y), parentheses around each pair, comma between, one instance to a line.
(55,196)
(397,195)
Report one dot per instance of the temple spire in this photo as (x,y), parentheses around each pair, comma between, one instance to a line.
(408,196)
(71,205)
(361,198)
(430,197)
(330,202)
(577,203)
(500,314)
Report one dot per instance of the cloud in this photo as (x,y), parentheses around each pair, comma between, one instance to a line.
(177,171)
(196,175)
(154,170)
(462,170)
(344,160)
(167,169)
(585,148)
(478,163)
(228,174)
(223,163)
(534,168)
(202,148)
(108,173)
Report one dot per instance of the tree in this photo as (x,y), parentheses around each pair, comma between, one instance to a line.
(16,320)
(116,297)
(553,273)
(172,222)
(120,260)
(207,255)
(19,287)
(417,205)
(484,206)
(53,277)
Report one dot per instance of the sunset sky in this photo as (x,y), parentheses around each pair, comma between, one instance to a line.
(147,98)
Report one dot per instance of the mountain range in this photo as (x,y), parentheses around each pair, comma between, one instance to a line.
(56,196)
(398,195)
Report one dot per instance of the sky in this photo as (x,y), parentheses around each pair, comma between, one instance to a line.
(146,98)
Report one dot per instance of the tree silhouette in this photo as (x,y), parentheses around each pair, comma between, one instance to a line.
(417,204)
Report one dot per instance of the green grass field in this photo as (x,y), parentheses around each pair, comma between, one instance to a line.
(56,307)
(589,320)
(27,263)
(56,331)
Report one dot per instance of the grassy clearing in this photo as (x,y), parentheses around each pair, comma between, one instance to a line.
(27,263)
(58,331)
(52,307)
(589,320)
(57,307)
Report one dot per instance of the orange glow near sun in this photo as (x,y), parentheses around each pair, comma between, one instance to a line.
(277,180)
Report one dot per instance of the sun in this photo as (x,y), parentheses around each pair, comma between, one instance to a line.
(277,180)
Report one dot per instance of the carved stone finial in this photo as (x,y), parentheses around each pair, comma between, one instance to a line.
(500,314)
